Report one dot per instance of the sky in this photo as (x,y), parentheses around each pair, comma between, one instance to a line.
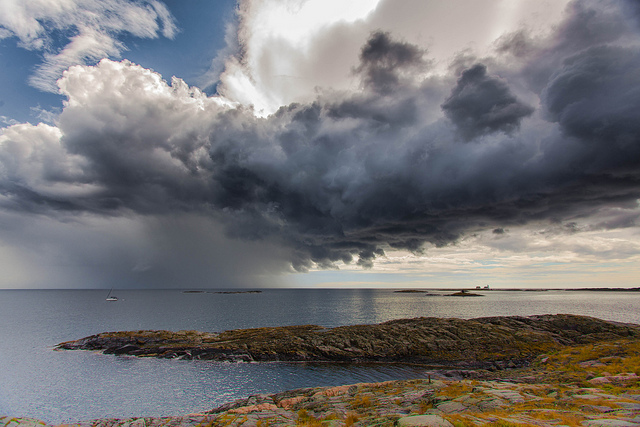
(317,143)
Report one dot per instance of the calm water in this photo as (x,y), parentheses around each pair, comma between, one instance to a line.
(71,386)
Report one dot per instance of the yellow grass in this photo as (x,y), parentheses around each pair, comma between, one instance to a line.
(456,389)
(351,419)
(361,402)
(307,420)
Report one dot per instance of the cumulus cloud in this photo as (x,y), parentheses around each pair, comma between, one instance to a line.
(383,61)
(594,95)
(35,162)
(411,158)
(481,104)
(286,51)
(90,28)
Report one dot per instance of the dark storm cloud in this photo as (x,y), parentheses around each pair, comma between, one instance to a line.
(383,61)
(481,104)
(351,174)
(588,24)
(634,9)
(595,96)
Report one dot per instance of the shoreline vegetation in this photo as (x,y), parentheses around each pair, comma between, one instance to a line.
(544,370)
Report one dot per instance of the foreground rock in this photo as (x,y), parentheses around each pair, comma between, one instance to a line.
(488,343)
(561,389)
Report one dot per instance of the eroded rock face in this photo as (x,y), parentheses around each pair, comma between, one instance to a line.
(490,343)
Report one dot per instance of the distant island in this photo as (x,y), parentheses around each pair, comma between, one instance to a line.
(412,291)
(221,292)
(464,293)
(606,289)
(236,292)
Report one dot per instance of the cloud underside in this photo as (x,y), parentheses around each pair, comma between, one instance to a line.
(545,130)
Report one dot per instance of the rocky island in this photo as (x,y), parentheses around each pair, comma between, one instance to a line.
(221,292)
(464,293)
(487,343)
(550,370)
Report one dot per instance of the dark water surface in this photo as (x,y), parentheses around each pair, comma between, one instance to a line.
(58,386)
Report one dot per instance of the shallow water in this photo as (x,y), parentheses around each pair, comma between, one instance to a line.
(59,386)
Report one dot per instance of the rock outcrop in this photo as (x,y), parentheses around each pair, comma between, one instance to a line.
(489,343)
(589,378)
(557,389)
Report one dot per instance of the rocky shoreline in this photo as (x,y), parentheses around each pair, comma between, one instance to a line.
(483,343)
(553,371)
(592,385)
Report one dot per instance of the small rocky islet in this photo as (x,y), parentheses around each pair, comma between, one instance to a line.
(550,370)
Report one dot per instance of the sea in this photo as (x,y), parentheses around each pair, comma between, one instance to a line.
(65,386)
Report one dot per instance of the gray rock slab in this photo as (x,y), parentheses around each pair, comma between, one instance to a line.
(451,407)
(587,396)
(597,408)
(423,421)
(629,405)
(594,396)
(488,405)
(467,399)
(510,395)
(134,423)
(609,423)
(411,396)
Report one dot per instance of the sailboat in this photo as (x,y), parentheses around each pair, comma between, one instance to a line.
(110,297)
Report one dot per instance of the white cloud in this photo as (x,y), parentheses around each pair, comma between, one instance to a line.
(45,116)
(289,49)
(33,157)
(8,121)
(92,28)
